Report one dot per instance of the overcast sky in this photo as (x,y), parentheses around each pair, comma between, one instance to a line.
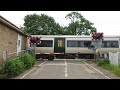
(107,22)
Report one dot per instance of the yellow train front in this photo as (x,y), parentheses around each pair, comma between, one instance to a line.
(70,46)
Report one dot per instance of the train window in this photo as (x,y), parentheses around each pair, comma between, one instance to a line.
(72,44)
(60,43)
(87,43)
(110,44)
(78,43)
(45,43)
(104,44)
(81,43)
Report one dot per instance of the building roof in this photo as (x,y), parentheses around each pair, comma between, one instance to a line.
(8,23)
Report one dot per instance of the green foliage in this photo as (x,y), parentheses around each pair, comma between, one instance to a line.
(106,65)
(102,62)
(41,25)
(46,25)
(114,69)
(13,67)
(78,21)
(2,76)
(27,59)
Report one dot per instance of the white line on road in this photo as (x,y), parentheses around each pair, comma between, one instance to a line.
(95,64)
(96,70)
(31,70)
(66,74)
(55,64)
(42,63)
(28,73)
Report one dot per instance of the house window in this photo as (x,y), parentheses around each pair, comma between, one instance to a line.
(18,42)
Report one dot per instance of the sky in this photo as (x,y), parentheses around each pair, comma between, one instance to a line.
(107,22)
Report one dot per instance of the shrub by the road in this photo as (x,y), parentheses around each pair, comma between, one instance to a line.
(27,59)
(13,67)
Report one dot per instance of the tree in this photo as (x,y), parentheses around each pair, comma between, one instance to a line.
(79,22)
(41,25)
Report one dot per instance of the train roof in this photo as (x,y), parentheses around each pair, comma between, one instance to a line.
(82,36)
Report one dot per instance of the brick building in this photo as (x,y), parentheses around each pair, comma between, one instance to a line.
(12,38)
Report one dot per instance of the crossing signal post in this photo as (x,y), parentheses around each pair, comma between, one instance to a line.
(97,36)
(97,39)
(94,36)
(35,41)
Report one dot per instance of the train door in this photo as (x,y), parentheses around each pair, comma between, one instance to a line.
(59,45)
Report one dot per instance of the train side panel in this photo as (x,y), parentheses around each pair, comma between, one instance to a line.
(43,50)
(78,49)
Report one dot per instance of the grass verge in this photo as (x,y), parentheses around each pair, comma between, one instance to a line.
(106,65)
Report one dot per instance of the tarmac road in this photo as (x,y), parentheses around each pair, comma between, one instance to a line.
(66,69)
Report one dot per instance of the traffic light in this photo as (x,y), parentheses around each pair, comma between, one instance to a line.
(94,36)
(32,40)
(99,36)
(37,40)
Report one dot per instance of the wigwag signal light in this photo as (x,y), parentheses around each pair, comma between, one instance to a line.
(94,36)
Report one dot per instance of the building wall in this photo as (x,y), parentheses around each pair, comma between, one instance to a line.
(24,42)
(8,39)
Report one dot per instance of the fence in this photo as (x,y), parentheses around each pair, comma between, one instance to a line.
(5,54)
(114,58)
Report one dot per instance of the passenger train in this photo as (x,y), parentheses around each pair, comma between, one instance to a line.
(70,46)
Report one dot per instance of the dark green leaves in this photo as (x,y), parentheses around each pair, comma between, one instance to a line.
(46,25)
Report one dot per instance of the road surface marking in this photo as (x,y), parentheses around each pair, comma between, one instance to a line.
(42,63)
(54,64)
(28,73)
(95,64)
(66,75)
(31,70)
(96,70)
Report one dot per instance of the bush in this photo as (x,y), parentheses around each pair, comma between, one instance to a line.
(27,59)
(2,74)
(13,67)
